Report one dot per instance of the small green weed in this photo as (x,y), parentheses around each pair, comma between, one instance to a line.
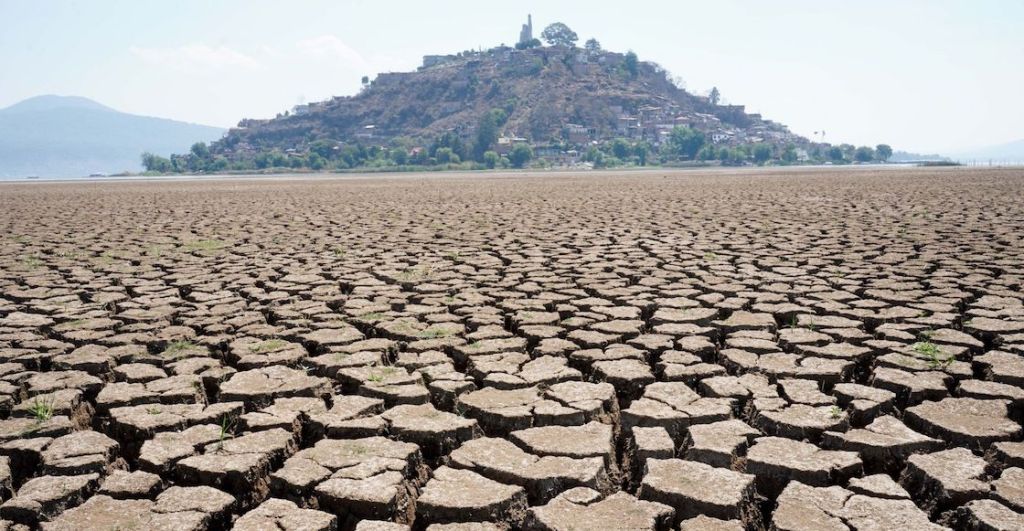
(42,410)
(177,347)
(932,354)
(268,345)
(435,333)
(227,425)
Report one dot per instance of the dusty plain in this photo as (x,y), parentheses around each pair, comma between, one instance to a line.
(795,350)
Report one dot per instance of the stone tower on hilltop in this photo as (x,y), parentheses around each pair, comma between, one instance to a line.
(526,33)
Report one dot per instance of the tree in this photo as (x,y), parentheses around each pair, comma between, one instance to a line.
(559,34)
(449,140)
(762,152)
(315,161)
(641,150)
(789,155)
(532,43)
(883,152)
(714,96)
(520,155)
(156,163)
(486,135)
(849,151)
(685,142)
(200,150)
(500,116)
(835,154)
(707,152)
(447,156)
(324,148)
(732,156)
(620,148)
(632,64)
(491,159)
(864,154)
(592,46)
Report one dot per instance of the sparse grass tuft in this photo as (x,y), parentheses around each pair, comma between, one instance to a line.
(31,262)
(379,375)
(835,412)
(435,333)
(268,345)
(926,347)
(176,347)
(42,410)
(204,245)
(932,354)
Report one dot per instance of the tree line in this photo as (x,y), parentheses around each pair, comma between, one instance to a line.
(683,145)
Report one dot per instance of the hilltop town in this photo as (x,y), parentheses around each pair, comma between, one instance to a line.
(514,106)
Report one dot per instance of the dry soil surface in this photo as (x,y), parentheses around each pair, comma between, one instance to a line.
(790,350)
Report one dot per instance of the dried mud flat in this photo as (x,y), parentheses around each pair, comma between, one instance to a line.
(801,350)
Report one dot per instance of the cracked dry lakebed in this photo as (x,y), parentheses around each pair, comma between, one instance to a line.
(772,350)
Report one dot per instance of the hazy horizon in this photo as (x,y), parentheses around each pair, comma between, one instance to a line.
(921,76)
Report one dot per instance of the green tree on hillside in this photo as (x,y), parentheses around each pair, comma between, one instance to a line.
(714,97)
(156,163)
(789,155)
(632,64)
(532,43)
(592,46)
(559,34)
(642,150)
(322,147)
(447,156)
(487,132)
(491,159)
(200,150)
(685,142)
(520,155)
(762,152)
(883,152)
(620,148)
(864,154)
(708,152)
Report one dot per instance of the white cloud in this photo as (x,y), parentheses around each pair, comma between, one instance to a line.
(196,57)
(332,47)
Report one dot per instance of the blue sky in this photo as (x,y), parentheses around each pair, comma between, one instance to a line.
(920,75)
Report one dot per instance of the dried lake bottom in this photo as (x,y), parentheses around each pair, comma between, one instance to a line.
(794,350)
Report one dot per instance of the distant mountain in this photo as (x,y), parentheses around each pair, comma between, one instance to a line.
(1010,152)
(70,136)
(904,156)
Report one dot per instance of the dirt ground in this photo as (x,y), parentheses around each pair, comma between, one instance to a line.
(775,349)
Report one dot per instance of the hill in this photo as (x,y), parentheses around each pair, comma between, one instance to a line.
(68,136)
(1011,152)
(561,101)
